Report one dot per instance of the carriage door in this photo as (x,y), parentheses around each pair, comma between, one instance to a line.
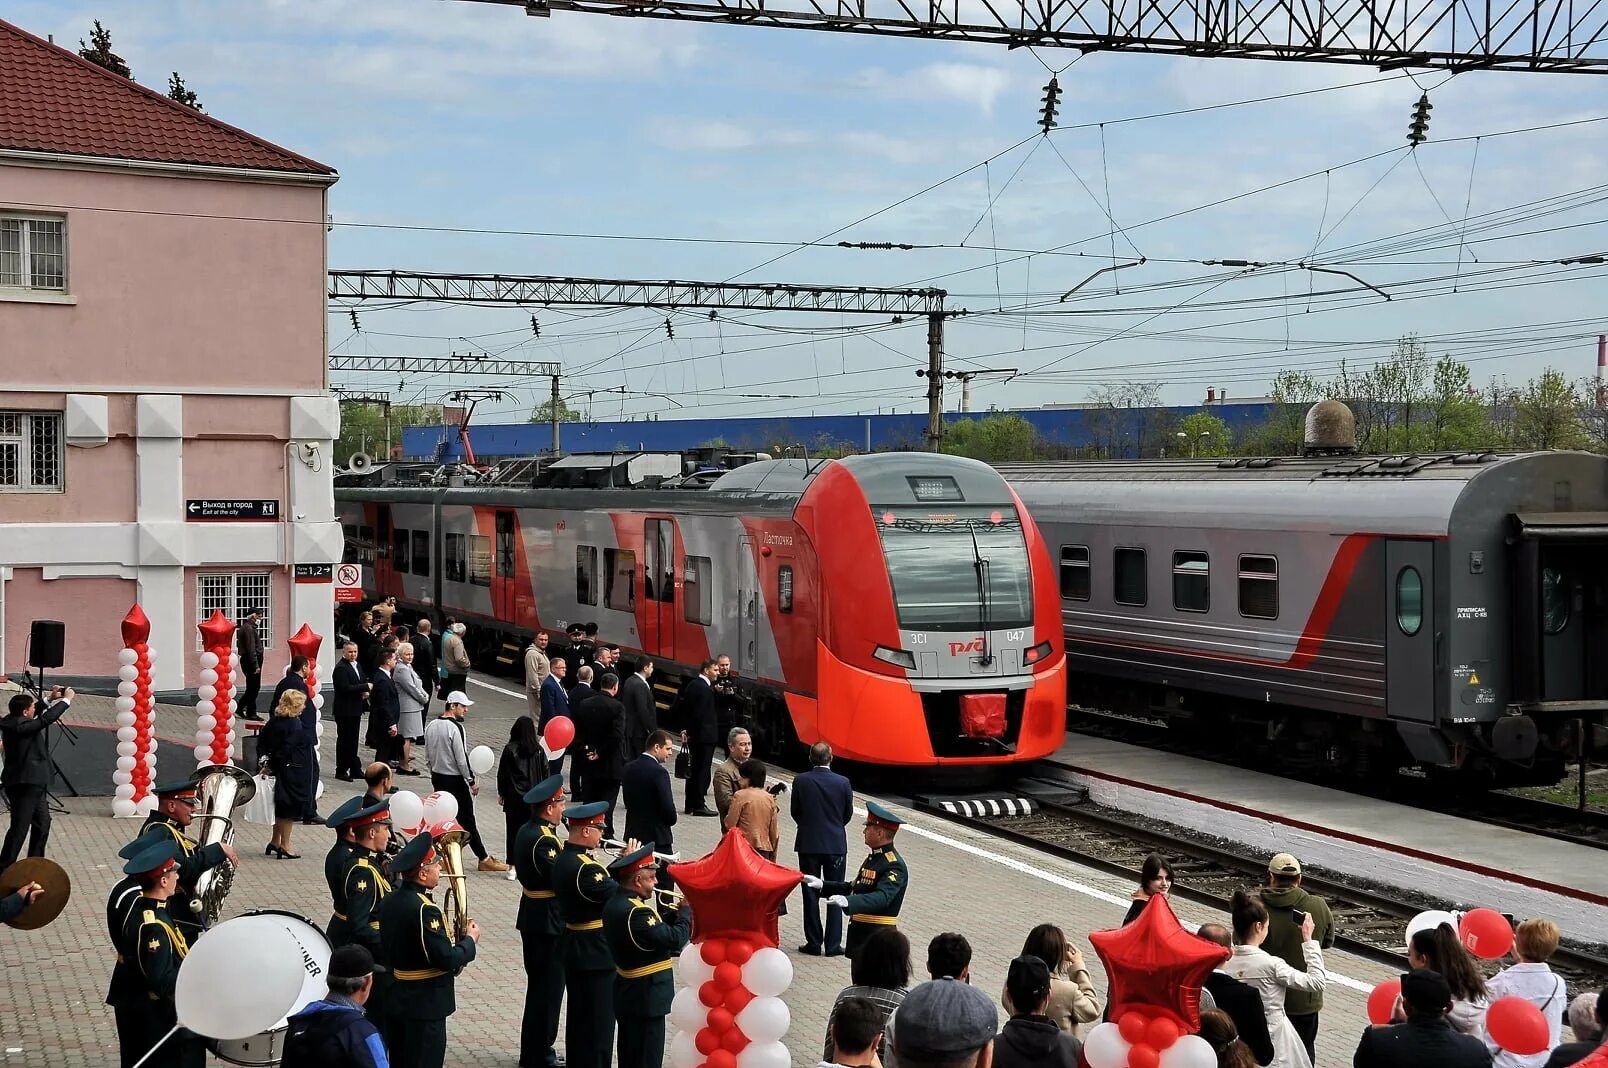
(503,591)
(1411,652)
(746,571)
(659,587)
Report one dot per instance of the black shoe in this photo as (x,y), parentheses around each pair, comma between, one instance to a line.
(702,812)
(344,778)
(833,953)
(810,951)
(252,715)
(313,821)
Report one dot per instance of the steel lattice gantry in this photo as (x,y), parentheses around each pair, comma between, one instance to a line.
(1534,35)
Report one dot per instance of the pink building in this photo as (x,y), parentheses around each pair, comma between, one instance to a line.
(162,343)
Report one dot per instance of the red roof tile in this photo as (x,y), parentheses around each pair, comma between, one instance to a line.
(51,100)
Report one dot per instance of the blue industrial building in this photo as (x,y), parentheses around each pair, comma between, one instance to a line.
(1118,432)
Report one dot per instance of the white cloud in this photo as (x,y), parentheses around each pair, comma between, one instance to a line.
(970,83)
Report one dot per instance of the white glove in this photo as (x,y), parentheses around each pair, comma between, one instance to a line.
(813,882)
(838,901)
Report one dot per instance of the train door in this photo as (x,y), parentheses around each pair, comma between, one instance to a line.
(382,549)
(1560,600)
(659,586)
(503,592)
(1411,647)
(746,574)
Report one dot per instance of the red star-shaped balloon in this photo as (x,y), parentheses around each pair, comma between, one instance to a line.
(734,891)
(136,628)
(217,633)
(1156,966)
(306,643)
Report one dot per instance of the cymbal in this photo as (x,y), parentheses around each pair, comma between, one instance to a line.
(48,905)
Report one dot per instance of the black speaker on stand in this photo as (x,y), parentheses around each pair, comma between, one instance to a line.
(47,648)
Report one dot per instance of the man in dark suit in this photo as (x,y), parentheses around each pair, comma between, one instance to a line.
(27,771)
(1427,1036)
(641,710)
(351,698)
(700,729)
(823,805)
(385,710)
(426,662)
(580,691)
(650,807)
(600,736)
(249,645)
(1241,1001)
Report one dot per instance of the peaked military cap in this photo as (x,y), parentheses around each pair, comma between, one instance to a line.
(633,861)
(154,857)
(375,813)
(878,816)
(145,840)
(549,789)
(587,813)
(180,790)
(345,811)
(416,853)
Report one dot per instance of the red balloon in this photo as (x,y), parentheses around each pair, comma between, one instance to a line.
(1382,1001)
(1517,1026)
(739,951)
(737,999)
(713,951)
(722,1058)
(734,1040)
(1162,1032)
(711,994)
(707,1041)
(728,975)
(1133,1026)
(1143,1056)
(1486,933)
(559,733)
(721,1020)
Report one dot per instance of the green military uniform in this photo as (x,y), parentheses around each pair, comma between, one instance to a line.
(878,889)
(194,861)
(540,926)
(417,947)
(150,950)
(584,887)
(644,947)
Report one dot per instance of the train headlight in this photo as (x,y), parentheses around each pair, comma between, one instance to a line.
(896,657)
(1037,653)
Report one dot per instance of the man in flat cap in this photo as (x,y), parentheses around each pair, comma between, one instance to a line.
(175,809)
(1427,1037)
(1284,897)
(536,848)
(147,969)
(584,887)
(877,892)
(945,1023)
(644,945)
(424,961)
(335,1032)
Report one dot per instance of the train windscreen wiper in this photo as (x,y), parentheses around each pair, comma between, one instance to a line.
(980,562)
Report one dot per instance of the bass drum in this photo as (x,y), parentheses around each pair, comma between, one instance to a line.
(266,1049)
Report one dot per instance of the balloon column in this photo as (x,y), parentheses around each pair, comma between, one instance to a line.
(730,1012)
(136,740)
(1155,968)
(214,706)
(306,643)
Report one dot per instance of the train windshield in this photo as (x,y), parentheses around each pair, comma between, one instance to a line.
(960,569)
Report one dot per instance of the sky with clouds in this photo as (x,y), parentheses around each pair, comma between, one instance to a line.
(445,117)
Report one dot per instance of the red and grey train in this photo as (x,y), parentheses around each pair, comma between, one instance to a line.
(892,605)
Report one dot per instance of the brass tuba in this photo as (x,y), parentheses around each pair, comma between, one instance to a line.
(455,906)
(220,789)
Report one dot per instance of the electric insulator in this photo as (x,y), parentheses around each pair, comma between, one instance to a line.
(1052,102)
(1418,129)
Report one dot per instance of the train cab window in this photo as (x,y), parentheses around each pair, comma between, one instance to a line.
(784,588)
(696,594)
(1128,580)
(1192,582)
(421,553)
(455,560)
(619,579)
(479,560)
(1554,601)
(1075,572)
(586,574)
(1409,600)
(399,549)
(1259,587)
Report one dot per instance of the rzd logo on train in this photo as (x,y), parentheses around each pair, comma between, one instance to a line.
(973,646)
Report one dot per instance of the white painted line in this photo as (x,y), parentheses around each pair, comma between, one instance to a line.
(498,689)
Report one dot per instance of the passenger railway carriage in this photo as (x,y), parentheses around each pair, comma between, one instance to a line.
(898,606)
(1353,614)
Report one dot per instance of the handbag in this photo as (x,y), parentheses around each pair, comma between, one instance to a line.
(683,763)
(260,809)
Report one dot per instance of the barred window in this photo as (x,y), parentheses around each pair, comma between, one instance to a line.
(1259,587)
(235,595)
(33,252)
(1075,572)
(479,560)
(30,451)
(1192,582)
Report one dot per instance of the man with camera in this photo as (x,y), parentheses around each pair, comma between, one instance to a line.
(27,771)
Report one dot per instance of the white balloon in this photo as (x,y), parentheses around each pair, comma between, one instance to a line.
(126,763)
(124,791)
(209,660)
(320,791)
(150,757)
(407,810)
(318,701)
(207,677)
(203,736)
(764,1019)
(211,1003)
(1106,1048)
(440,807)
(126,657)
(482,759)
(126,689)
(203,708)
(692,969)
(1426,921)
(203,753)
(1190,1051)
(684,1050)
(768,973)
(318,729)
(686,1011)
(146,804)
(555,755)
(206,693)
(127,734)
(763,1055)
(234,659)
(124,807)
(125,749)
(128,673)
(233,706)
(231,736)
(124,704)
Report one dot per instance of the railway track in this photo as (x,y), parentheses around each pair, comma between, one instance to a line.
(1369,922)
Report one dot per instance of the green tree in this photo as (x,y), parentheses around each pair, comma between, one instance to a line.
(1456,416)
(99,51)
(1593,416)
(1201,434)
(543,413)
(994,438)
(1284,430)
(177,90)
(377,428)
(1126,416)
(1546,414)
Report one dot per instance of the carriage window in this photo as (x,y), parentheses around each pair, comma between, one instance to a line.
(659,563)
(421,552)
(349,547)
(505,545)
(696,595)
(784,588)
(456,559)
(619,579)
(1409,601)
(399,549)
(1128,584)
(1259,587)
(365,545)
(1075,572)
(586,574)
(1554,601)
(479,560)
(1192,582)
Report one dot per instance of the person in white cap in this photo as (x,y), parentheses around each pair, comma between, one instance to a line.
(448,749)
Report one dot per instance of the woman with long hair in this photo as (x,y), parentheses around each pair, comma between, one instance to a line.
(285,746)
(1072,997)
(1272,976)
(1155,877)
(1440,950)
(522,766)
(1218,1028)
(880,971)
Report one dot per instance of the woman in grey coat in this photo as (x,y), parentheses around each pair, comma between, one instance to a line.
(412,696)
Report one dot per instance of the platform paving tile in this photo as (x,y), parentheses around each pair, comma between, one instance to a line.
(993,892)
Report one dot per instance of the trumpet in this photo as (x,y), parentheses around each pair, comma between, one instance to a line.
(615,846)
(670,899)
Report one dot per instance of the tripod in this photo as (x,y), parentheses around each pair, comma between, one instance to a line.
(40,693)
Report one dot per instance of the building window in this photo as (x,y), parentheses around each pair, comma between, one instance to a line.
(697,602)
(1075,572)
(1259,587)
(30,451)
(479,560)
(421,553)
(33,252)
(1128,584)
(619,579)
(784,588)
(586,574)
(399,550)
(456,559)
(235,595)
(1409,601)
(1192,582)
